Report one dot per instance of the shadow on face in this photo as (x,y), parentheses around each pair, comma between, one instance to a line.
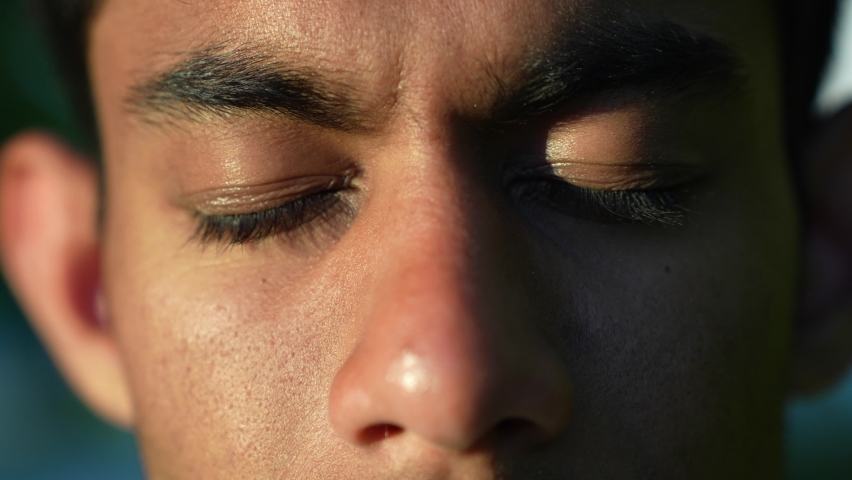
(425,240)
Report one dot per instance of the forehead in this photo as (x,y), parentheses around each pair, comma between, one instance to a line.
(351,25)
(456,46)
(345,26)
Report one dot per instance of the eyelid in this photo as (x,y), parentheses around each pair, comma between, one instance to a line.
(612,176)
(253,198)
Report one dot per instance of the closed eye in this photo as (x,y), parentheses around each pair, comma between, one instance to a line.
(655,207)
(321,213)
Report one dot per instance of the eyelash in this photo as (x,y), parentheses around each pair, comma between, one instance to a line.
(300,217)
(654,207)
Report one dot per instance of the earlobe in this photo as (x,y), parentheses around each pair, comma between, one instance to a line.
(50,254)
(823,343)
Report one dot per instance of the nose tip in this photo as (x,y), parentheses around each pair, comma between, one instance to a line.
(452,400)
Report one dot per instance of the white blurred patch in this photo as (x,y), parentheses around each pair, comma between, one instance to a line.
(836,89)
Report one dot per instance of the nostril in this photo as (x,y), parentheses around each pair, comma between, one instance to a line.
(377,433)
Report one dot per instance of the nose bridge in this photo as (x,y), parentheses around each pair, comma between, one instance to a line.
(427,299)
(424,348)
(432,262)
(444,262)
(434,237)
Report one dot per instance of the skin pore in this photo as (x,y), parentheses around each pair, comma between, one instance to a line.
(432,256)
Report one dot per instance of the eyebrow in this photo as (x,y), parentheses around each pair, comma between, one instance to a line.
(596,57)
(224,82)
(644,60)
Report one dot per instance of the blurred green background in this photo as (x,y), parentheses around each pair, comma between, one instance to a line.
(45,433)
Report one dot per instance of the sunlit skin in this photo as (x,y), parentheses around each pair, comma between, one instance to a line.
(440,324)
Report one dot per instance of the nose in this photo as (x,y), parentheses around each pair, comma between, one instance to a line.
(449,352)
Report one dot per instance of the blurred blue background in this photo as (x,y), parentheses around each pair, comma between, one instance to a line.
(45,433)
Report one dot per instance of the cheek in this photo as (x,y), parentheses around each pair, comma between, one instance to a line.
(230,359)
(683,332)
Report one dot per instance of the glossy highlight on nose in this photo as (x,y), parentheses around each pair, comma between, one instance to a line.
(411,373)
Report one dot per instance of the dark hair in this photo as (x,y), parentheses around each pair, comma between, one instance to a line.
(805,30)
(65,24)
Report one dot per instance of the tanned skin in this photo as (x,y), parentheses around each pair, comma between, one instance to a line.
(463,239)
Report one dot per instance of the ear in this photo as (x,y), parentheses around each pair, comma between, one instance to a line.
(49,249)
(823,343)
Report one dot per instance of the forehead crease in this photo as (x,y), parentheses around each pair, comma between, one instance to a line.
(420,54)
(483,37)
(464,53)
(464,49)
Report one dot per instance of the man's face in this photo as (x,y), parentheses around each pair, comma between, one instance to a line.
(458,239)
